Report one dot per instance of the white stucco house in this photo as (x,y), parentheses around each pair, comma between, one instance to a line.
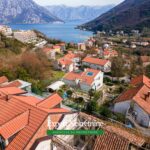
(69,62)
(135,102)
(89,79)
(96,63)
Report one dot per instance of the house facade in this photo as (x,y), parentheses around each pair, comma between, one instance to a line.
(108,53)
(96,63)
(69,62)
(27,119)
(50,52)
(135,102)
(89,79)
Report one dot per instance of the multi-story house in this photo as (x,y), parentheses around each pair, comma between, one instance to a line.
(96,63)
(50,52)
(108,53)
(24,121)
(134,103)
(89,79)
(27,119)
(69,62)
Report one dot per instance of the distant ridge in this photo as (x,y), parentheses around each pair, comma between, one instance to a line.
(130,14)
(83,12)
(24,12)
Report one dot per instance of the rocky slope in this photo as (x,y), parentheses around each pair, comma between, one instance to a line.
(131,14)
(24,11)
(87,13)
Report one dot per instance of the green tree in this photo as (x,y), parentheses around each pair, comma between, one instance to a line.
(22,74)
(147,71)
(69,93)
(92,107)
(91,93)
(117,67)
(146,32)
(104,111)
(8,73)
(80,100)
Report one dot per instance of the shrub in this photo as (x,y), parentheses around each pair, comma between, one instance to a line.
(104,111)
(69,93)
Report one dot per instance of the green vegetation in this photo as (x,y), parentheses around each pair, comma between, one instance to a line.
(9,44)
(56,75)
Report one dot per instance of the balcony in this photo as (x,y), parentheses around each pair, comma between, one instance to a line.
(131,116)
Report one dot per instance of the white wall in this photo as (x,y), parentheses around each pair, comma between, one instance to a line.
(107,67)
(69,82)
(122,107)
(142,117)
(85,87)
(68,123)
(93,66)
(98,81)
(45,145)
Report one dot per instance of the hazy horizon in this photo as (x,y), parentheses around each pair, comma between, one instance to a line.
(78,2)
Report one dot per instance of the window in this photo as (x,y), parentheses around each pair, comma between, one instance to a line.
(90,74)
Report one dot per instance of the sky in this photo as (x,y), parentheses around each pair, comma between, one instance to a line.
(77,2)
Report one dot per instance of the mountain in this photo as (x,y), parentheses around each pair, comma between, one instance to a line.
(24,11)
(87,13)
(130,14)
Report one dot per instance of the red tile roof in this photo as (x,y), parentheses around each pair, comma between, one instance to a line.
(131,137)
(46,49)
(111,53)
(31,100)
(13,84)
(56,46)
(3,79)
(83,76)
(139,94)
(55,110)
(67,59)
(72,76)
(65,62)
(22,116)
(142,79)
(96,61)
(128,94)
(15,125)
(111,130)
(111,141)
(50,102)
(11,91)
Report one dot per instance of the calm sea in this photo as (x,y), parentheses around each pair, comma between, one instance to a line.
(65,32)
